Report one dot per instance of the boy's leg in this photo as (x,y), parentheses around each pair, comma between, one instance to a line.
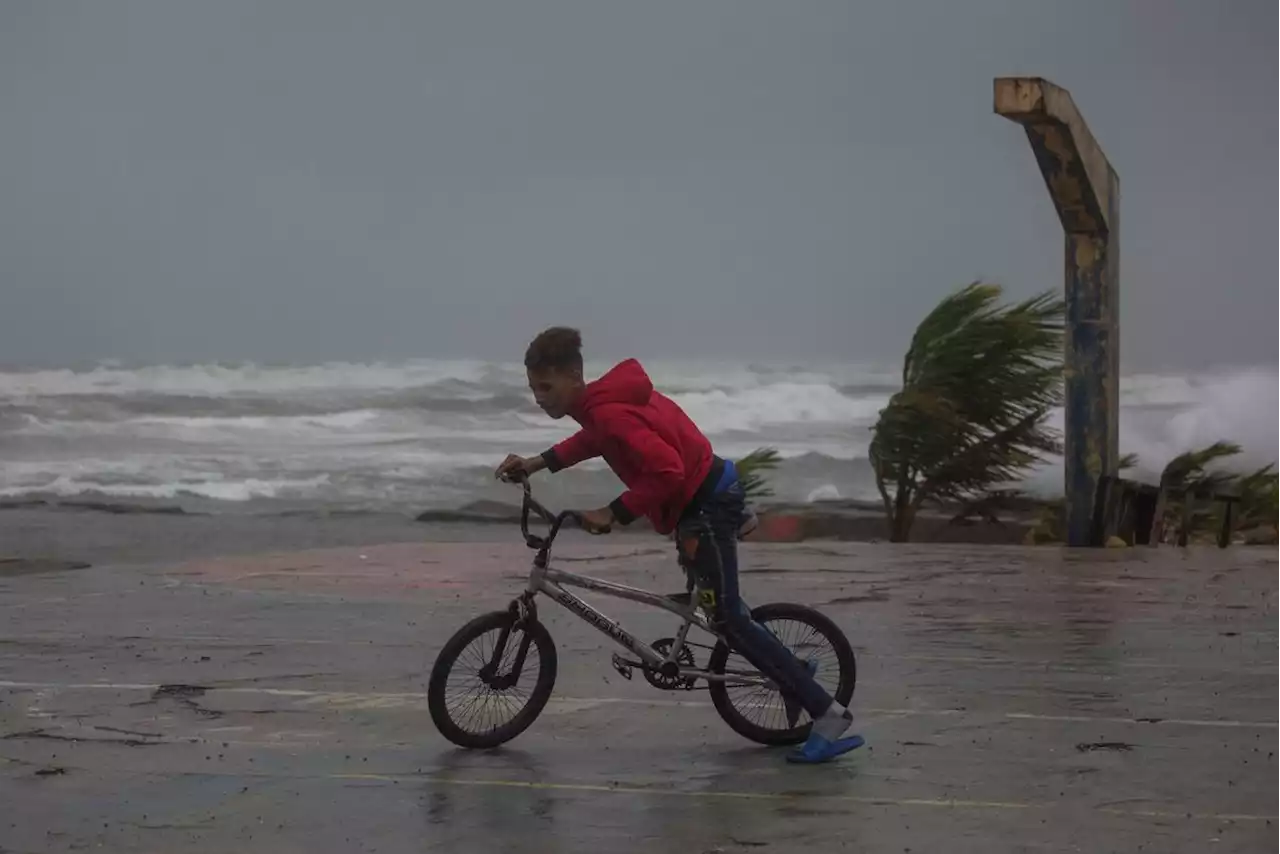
(710,548)
(708,544)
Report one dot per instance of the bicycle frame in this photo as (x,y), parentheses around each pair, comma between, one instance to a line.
(552,582)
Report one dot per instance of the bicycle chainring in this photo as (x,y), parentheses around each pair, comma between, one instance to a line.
(671,683)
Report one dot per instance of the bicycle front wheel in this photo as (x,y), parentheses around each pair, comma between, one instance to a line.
(491,680)
(758,712)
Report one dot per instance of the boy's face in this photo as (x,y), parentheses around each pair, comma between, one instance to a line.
(555,390)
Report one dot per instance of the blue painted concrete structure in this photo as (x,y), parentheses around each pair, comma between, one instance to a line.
(1086,193)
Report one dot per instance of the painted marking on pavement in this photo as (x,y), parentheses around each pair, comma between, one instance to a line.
(381,700)
(943,803)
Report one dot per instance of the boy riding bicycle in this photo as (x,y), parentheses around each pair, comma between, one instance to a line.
(674,479)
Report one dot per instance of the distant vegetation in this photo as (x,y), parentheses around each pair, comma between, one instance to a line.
(1195,473)
(978,383)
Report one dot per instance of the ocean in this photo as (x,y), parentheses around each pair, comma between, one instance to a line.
(418,435)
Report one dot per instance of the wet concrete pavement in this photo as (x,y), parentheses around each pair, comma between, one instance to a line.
(1013,700)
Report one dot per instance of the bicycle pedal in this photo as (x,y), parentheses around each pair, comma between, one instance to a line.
(622,666)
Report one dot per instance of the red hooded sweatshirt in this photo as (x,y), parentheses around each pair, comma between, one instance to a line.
(648,441)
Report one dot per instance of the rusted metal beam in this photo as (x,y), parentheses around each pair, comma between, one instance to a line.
(1086,193)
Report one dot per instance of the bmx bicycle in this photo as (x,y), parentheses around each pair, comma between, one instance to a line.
(492,679)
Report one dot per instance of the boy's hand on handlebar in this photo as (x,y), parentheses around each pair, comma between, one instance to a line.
(597,521)
(515,466)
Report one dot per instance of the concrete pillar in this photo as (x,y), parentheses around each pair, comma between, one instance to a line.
(1086,193)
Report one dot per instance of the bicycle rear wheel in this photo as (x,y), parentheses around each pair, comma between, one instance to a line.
(757,712)
(491,680)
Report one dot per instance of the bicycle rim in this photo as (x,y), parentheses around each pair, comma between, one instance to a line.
(474,711)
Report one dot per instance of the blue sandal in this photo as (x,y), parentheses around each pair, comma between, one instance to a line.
(818,749)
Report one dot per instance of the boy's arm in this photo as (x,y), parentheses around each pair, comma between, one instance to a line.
(570,452)
(663,469)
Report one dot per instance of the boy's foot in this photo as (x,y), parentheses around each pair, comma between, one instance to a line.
(826,739)
(817,749)
(792,706)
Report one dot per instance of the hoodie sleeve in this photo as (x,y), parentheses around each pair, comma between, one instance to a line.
(570,452)
(663,469)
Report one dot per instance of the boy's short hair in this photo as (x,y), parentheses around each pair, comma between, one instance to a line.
(557,348)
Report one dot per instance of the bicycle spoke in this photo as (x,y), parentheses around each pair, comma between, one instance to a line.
(477,707)
(763,704)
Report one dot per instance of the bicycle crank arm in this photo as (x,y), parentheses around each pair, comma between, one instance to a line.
(624,666)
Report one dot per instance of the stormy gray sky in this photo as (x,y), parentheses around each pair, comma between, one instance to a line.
(313,179)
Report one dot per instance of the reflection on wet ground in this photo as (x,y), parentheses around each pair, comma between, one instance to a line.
(1012,699)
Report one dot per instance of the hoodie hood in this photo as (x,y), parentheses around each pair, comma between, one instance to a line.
(647,440)
(626,382)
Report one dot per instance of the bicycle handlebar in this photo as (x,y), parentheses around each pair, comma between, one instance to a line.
(555,520)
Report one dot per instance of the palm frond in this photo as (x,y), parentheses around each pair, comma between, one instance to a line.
(751,468)
(978,381)
(1190,481)
(1259,498)
(1191,469)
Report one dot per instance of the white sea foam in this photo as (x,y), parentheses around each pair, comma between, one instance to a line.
(778,404)
(246,489)
(231,380)
(413,429)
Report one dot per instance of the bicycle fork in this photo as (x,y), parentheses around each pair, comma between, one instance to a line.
(524,610)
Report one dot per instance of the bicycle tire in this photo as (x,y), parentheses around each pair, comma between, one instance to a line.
(448,657)
(822,625)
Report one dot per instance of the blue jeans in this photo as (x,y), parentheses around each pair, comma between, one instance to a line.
(707,541)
